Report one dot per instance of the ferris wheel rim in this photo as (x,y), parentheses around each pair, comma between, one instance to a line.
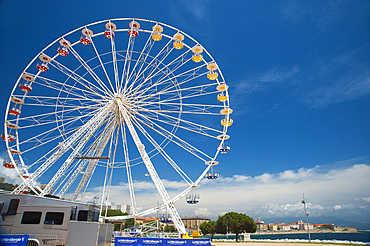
(100,33)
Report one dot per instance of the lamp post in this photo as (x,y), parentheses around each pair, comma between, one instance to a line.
(306,214)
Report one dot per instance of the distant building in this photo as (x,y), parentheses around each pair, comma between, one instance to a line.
(261,226)
(105,207)
(124,208)
(193,223)
(2,180)
(272,227)
(324,226)
(145,220)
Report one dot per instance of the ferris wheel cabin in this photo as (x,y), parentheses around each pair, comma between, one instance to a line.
(10,138)
(192,198)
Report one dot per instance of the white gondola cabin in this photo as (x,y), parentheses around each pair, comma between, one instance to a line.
(224,148)
(109,34)
(197,56)
(192,198)
(25,86)
(63,51)
(85,40)
(110,28)
(134,31)
(43,67)
(212,175)
(157,33)
(178,38)
(86,36)
(9,164)
(15,111)
(221,97)
(10,138)
(227,122)
(212,74)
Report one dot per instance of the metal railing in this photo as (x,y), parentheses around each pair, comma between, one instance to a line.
(42,239)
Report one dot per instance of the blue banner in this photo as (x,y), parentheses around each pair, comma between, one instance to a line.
(126,241)
(136,241)
(176,242)
(13,240)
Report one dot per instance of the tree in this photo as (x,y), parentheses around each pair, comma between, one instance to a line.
(169,228)
(236,223)
(112,212)
(208,228)
(7,186)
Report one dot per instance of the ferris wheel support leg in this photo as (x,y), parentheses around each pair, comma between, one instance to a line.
(90,127)
(98,150)
(152,172)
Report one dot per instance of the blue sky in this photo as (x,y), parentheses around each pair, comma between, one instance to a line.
(299,77)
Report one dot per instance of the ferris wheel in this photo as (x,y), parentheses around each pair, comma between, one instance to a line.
(115,101)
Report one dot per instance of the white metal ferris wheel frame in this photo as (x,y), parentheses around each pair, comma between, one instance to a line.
(168,202)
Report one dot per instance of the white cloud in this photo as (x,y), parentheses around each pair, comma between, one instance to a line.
(202,212)
(10,175)
(366,199)
(333,190)
(280,194)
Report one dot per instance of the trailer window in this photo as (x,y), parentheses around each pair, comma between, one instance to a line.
(31,217)
(13,206)
(82,215)
(54,218)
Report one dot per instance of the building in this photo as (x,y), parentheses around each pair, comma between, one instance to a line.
(261,226)
(324,226)
(145,220)
(124,208)
(2,180)
(193,223)
(105,207)
(272,227)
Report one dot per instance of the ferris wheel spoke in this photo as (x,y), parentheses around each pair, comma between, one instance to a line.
(102,64)
(173,107)
(128,169)
(90,71)
(84,91)
(141,59)
(178,62)
(186,125)
(67,144)
(38,122)
(187,76)
(174,138)
(81,80)
(152,64)
(163,153)
(126,65)
(42,138)
(186,93)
